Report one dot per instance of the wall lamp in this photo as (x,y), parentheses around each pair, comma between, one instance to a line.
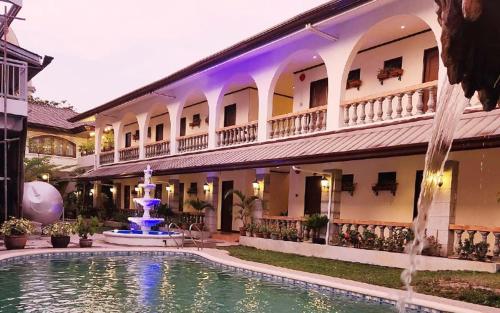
(256,185)
(206,187)
(168,188)
(325,183)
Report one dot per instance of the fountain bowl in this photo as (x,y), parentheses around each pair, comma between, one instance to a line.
(144,238)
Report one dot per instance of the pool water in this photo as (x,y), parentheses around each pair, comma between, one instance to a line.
(154,284)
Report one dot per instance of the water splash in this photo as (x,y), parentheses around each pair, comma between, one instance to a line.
(450,106)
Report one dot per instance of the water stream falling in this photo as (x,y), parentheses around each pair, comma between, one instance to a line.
(450,105)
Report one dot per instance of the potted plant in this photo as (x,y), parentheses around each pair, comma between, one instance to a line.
(316,222)
(245,206)
(432,247)
(85,228)
(265,231)
(354,83)
(59,233)
(293,234)
(284,234)
(16,231)
(481,250)
(368,239)
(259,231)
(275,232)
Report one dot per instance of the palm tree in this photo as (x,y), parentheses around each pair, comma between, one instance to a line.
(245,205)
(199,205)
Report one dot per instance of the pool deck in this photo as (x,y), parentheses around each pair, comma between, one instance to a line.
(43,245)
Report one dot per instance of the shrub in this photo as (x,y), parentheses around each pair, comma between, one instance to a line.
(59,229)
(85,227)
(16,227)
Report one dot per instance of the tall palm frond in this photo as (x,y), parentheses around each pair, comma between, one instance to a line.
(199,205)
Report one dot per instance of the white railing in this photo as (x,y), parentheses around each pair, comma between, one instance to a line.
(130,153)
(396,104)
(15,73)
(192,142)
(157,149)
(238,134)
(488,236)
(298,123)
(106,157)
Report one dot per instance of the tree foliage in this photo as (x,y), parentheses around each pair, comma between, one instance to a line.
(34,168)
(63,104)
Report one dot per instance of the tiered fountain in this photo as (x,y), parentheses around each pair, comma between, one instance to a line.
(145,236)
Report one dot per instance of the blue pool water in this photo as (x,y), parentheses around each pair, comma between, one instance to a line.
(154,284)
(140,232)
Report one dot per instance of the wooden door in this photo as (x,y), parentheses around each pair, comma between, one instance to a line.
(230,115)
(312,197)
(181,197)
(159,132)
(318,93)
(431,69)
(227,207)
(183,127)
(126,197)
(128,140)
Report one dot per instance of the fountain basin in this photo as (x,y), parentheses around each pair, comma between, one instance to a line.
(146,223)
(143,238)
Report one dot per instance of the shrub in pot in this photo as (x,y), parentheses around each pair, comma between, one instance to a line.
(265,232)
(59,233)
(85,228)
(284,234)
(481,250)
(293,234)
(16,231)
(275,232)
(316,222)
(432,247)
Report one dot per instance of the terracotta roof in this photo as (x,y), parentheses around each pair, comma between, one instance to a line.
(50,117)
(288,27)
(476,130)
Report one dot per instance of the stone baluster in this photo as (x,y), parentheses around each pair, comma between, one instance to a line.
(273,125)
(362,115)
(371,113)
(310,117)
(409,104)
(458,242)
(305,128)
(484,236)
(354,118)
(431,103)
(381,231)
(318,120)
(380,109)
(323,119)
(391,230)
(346,114)
(420,101)
(388,115)
(471,236)
(496,248)
(399,105)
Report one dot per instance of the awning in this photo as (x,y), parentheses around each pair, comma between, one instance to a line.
(475,130)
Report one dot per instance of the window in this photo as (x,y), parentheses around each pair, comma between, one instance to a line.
(52,145)
(158,191)
(149,132)
(354,74)
(126,197)
(318,93)
(183,127)
(128,139)
(159,132)
(393,63)
(386,178)
(230,115)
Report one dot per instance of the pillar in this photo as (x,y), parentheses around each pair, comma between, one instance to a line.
(212,196)
(174,113)
(336,190)
(97,145)
(442,210)
(214,99)
(117,134)
(265,90)
(143,121)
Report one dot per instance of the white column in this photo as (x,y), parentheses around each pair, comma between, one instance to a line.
(143,121)
(174,112)
(97,144)
(117,134)
(212,196)
(265,90)
(214,99)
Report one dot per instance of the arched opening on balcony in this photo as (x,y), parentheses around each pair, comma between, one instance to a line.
(193,124)
(157,141)
(300,96)
(392,73)
(128,138)
(238,112)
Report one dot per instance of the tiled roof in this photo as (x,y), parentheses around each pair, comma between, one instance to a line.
(475,130)
(48,116)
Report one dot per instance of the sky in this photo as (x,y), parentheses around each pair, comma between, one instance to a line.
(103,49)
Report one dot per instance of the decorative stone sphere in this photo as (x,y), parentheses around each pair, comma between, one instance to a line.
(42,202)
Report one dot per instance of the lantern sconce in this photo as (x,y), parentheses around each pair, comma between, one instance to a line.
(325,183)
(113,190)
(256,185)
(168,188)
(206,187)
(91,192)
(440,181)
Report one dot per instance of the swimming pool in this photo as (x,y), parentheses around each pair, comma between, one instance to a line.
(149,283)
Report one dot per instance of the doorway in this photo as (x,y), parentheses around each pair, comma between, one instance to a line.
(419,176)
(230,115)
(312,196)
(431,69)
(181,197)
(226,220)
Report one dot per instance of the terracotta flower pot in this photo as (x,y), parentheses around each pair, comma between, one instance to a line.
(242,231)
(60,241)
(15,242)
(85,243)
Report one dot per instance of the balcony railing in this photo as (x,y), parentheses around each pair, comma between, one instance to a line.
(192,142)
(106,157)
(238,134)
(412,101)
(17,80)
(298,123)
(157,149)
(130,153)
(471,230)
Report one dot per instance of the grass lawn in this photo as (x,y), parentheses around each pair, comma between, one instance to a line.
(474,287)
